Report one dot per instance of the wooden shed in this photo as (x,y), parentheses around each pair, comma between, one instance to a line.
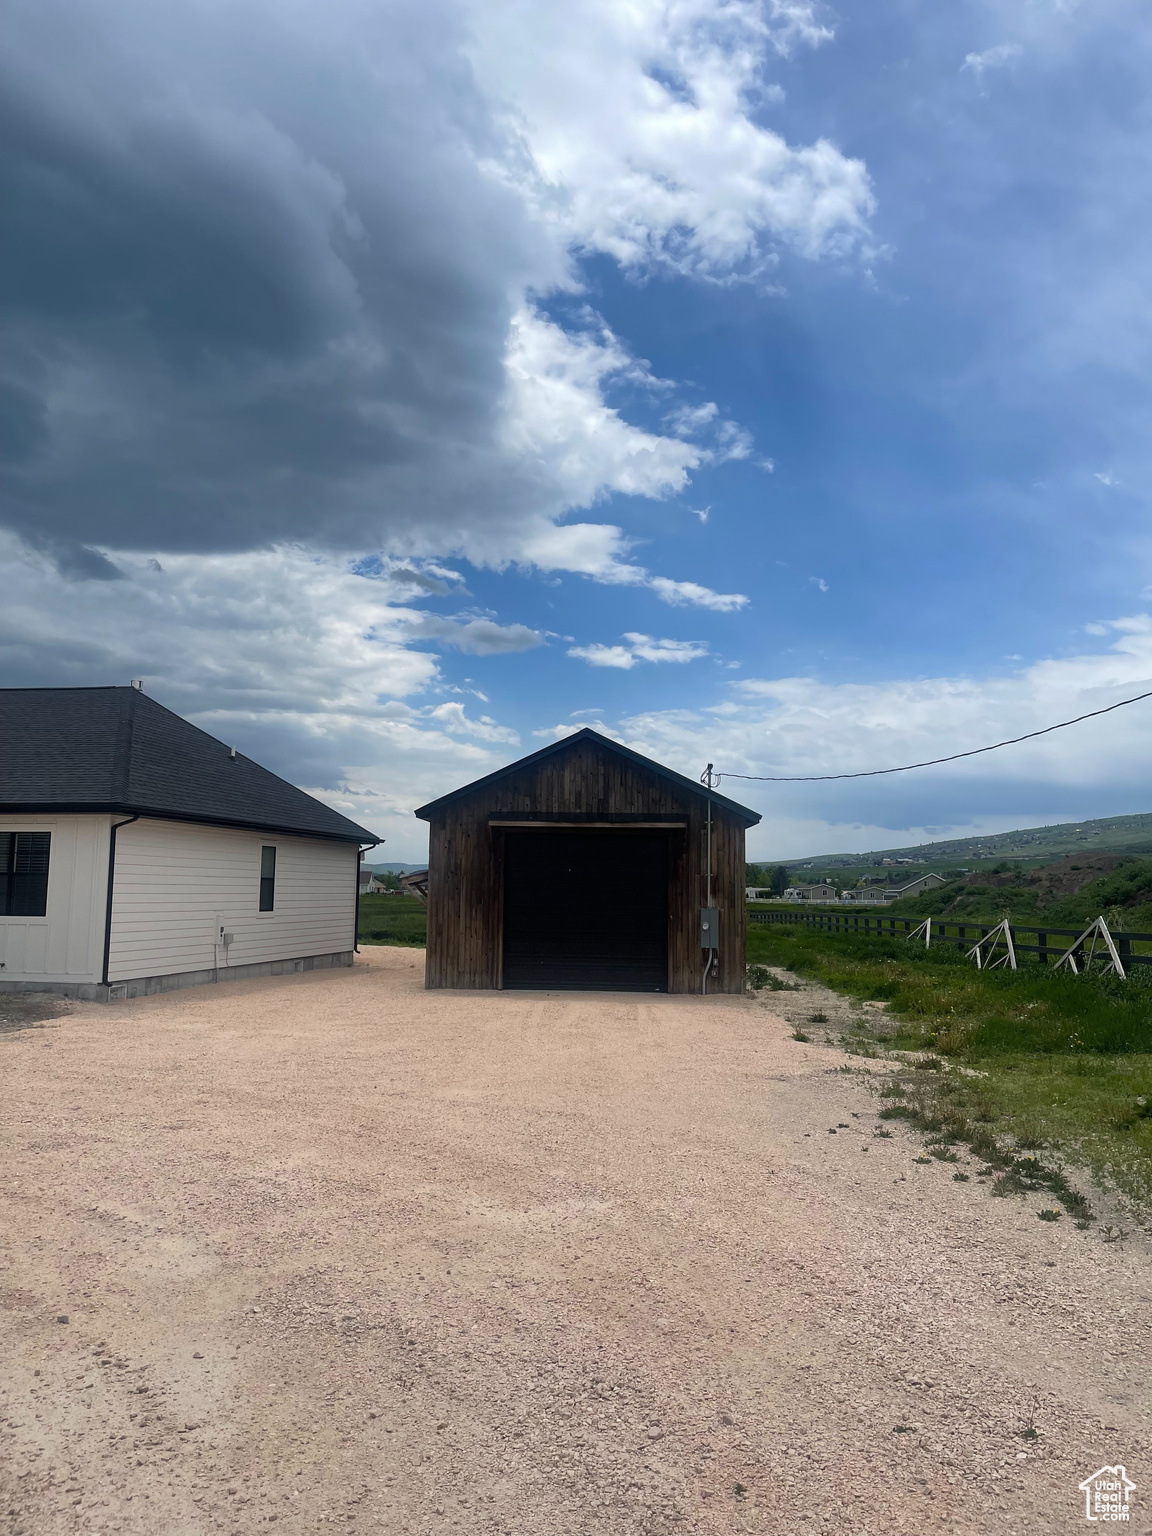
(585,866)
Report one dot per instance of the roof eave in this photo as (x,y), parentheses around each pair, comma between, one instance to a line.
(117,808)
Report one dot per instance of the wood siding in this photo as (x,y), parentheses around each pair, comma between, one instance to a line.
(173,877)
(465,873)
(67,943)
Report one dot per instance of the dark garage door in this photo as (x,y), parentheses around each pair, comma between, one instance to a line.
(586,910)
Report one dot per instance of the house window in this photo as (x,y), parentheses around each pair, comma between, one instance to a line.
(24,873)
(267,879)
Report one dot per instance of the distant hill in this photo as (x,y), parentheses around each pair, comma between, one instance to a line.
(1110,834)
(393,869)
(1073,890)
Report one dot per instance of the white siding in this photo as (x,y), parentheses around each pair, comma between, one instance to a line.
(67,943)
(177,882)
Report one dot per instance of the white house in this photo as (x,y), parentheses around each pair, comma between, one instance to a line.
(139,854)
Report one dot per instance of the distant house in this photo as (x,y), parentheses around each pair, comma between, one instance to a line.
(914,887)
(758,893)
(817,892)
(866,895)
(369,885)
(138,854)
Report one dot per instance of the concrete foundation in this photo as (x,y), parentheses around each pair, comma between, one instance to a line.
(145,986)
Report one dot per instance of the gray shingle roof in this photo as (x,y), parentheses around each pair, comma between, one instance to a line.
(115,749)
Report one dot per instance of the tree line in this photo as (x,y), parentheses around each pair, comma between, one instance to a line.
(767,877)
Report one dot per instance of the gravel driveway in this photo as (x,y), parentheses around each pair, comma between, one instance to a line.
(337,1253)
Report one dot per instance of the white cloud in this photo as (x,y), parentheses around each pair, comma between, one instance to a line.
(605,656)
(689,419)
(639,648)
(703,513)
(453,718)
(1107,479)
(557,418)
(679,593)
(800,725)
(733,442)
(308,666)
(601,551)
(819,583)
(992,58)
(678,173)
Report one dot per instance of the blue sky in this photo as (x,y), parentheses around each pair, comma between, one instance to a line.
(397,387)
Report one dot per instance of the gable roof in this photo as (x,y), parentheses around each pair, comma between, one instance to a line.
(565,744)
(929,874)
(115,749)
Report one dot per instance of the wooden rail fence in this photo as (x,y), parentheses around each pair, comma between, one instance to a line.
(966,933)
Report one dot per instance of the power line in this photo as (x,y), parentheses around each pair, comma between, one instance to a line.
(872,773)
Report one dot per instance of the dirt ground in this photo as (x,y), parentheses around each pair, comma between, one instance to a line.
(328,1251)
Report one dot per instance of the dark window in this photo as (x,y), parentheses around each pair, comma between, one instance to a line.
(24,873)
(267,879)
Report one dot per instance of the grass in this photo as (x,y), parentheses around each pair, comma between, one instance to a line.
(399,920)
(1029,1061)
(760,976)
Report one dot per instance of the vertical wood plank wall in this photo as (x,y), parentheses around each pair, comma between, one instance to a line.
(465,881)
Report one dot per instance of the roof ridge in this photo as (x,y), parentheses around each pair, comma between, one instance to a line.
(586,733)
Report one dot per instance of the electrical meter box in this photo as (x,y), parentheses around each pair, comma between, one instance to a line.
(709,927)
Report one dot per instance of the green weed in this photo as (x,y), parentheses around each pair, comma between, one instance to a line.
(1034,1059)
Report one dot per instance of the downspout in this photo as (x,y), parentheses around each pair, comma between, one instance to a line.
(360,852)
(116,825)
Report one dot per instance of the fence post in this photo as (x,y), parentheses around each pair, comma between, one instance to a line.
(1042,948)
(1123,947)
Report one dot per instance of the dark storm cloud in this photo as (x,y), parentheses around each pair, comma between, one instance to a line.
(253,283)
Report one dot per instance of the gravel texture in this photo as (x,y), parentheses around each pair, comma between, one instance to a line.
(337,1253)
